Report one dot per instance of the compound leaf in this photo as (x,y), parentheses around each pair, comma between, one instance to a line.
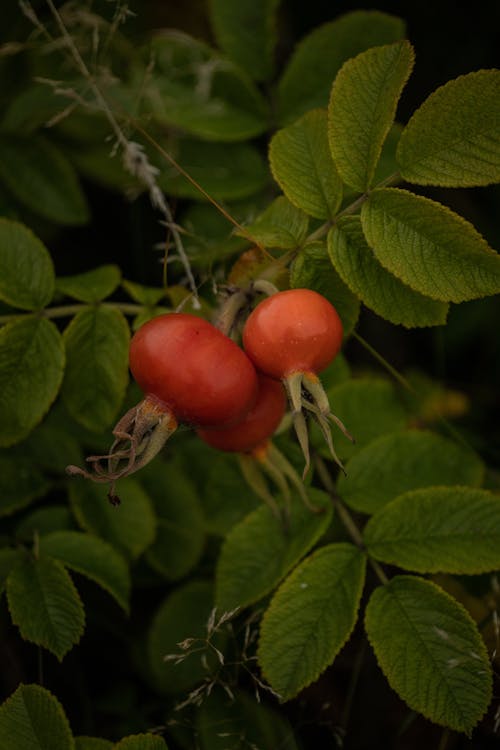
(311,617)
(379,289)
(33,719)
(26,268)
(97,343)
(45,605)
(302,166)
(429,247)
(431,652)
(403,461)
(362,107)
(281,225)
(31,371)
(453,138)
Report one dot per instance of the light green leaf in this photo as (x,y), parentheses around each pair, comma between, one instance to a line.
(180,533)
(310,618)
(31,371)
(8,559)
(312,269)
(20,482)
(379,290)
(41,177)
(97,342)
(258,552)
(428,247)
(246,32)
(403,461)
(91,286)
(453,138)
(26,269)
(183,614)
(431,652)
(226,171)
(253,723)
(141,742)
(92,557)
(281,225)
(130,526)
(302,166)
(206,95)
(144,295)
(33,719)
(362,107)
(308,77)
(368,407)
(45,605)
(92,743)
(438,529)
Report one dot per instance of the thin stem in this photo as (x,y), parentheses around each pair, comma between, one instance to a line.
(385,364)
(66,311)
(353,682)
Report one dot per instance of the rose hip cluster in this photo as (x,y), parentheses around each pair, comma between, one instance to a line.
(193,373)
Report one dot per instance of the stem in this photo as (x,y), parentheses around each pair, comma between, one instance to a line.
(353,682)
(346,518)
(385,364)
(66,311)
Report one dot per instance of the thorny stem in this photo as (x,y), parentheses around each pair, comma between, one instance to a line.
(346,518)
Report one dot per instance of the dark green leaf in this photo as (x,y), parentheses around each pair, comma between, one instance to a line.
(281,225)
(8,559)
(45,605)
(403,461)
(31,371)
(453,138)
(26,269)
(33,719)
(92,286)
(97,342)
(225,495)
(45,520)
(317,59)
(92,743)
(92,557)
(20,482)
(32,108)
(141,742)
(41,177)
(302,166)
(313,270)
(430,650)
(258,552)
(428,247)
(374,285)
(311,617)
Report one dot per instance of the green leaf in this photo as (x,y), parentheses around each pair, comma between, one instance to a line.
(281,225)
(141,742)
(92,286)
(438,529)
(403,461)
(308,77)
(92,743)
(97,342)
(180,533)
(92,557)
(254,724)
(225,495)
(246,32)
(45,605)
(368,407)
(41,177)
(226,171)
(302,166)
(311,617)
(20,482)
(26,269)
(130,526)
(183,614)
(453,138)
(379,290)
(32,108)
(362,107)
(33,719)
(31,371)
(52,447)
(144,295)
(8,559)
(312,269)
(195,89)
(431,652)
(428,247)
(258,553)
(44,521)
